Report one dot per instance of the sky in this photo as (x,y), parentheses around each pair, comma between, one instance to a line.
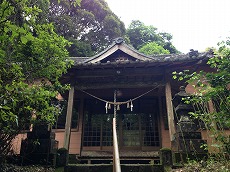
(194,24)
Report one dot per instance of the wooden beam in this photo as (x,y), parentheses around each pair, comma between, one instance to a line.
(170,113)
(69,118)
(119,85)
(120,80)
(117,72)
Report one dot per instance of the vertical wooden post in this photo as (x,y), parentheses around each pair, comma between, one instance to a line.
(160,120)
(69,118)
(80,117)
(169,107)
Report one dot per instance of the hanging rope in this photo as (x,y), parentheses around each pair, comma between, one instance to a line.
(117,104)
(108,103)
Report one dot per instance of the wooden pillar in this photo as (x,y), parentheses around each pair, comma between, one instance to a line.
(170,113)
(68,118)
(161,123)
(81,117)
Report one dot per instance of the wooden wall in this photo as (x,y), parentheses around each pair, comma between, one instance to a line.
(75,141)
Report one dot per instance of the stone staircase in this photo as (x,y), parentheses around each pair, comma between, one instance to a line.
(141,157)
(131,161)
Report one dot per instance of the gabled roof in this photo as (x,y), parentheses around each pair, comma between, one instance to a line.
(134,57)
(118,44)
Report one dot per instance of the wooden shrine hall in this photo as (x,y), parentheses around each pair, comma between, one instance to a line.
(143,89)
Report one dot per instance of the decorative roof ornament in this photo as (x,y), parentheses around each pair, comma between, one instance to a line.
(119,40)
(193,53)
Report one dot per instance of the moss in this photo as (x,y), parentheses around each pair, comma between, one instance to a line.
(166,157)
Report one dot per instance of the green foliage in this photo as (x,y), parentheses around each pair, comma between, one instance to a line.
(32,58)
(153,48)
(206,166)
(212,87)
(139,35)
(80,49)
(91,23)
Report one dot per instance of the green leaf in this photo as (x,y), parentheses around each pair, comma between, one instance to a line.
(78,2)
(180,78)
(5,107)
(29,37)
(22,30)
(24,39)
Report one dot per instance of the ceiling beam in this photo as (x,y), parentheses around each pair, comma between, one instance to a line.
(117,72)
(119,85)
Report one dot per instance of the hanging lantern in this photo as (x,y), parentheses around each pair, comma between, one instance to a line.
(109,106)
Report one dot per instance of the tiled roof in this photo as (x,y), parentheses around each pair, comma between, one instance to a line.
(119,44)
(79,59)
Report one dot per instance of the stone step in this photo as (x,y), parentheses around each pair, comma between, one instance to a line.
(109,168)
(122,161)
(122,154)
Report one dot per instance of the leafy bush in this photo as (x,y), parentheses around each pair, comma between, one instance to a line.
(14,168)
(207,166)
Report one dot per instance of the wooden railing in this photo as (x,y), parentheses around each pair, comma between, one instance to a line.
(116,158)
